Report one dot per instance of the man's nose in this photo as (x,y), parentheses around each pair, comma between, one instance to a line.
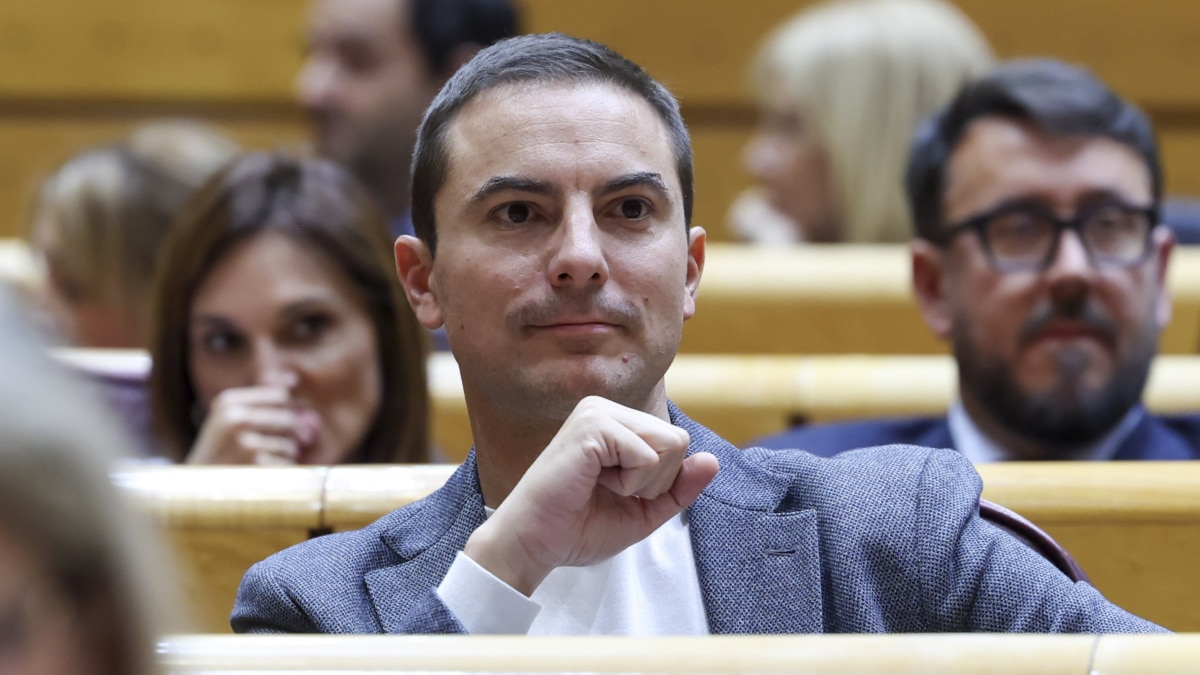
(315,82)
(578,257)
(1071,272)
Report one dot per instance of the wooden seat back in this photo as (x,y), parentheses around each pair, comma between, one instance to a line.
(1133,526)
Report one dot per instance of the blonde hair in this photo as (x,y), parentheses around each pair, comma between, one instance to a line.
(111,206)
(863,74)
(57,499)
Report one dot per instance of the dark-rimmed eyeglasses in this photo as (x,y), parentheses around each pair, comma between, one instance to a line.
(1025,236)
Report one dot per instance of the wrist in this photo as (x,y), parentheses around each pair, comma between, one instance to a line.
(497,551)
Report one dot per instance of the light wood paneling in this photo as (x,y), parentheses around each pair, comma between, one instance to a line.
(1146,654)
(815,654)
(1133,527)
(234,51)
(700,48)
(221,520)
(356,496)
(850,299)
(209,50)
(742,398)
(32,146)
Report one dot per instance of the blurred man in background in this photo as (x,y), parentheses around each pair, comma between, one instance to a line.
(1040,256)
(373,66)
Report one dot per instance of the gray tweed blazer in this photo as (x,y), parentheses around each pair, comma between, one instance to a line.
(878,540)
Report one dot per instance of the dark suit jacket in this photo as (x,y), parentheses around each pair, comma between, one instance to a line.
(881,540)
(1154,438)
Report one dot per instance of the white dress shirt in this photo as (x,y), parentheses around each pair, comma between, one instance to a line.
(650,588)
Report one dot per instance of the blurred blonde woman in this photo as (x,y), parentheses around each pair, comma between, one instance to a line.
(841,86)
(80,575)
(99,221)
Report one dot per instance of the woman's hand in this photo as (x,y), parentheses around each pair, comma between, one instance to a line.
(254,425)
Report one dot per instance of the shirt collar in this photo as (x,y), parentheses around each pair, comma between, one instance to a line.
(979,449)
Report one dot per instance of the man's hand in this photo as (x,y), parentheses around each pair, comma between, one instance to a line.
(610,477)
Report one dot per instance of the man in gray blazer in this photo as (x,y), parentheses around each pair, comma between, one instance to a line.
(552,198)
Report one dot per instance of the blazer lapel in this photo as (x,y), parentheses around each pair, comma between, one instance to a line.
(426,544)
(758,558)
(759,572)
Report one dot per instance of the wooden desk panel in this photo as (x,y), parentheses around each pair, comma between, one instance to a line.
(221,520)
(826,654)
(1133,527)
(34,143)
(211,561)
(851,299)
(744,397)
(356,496)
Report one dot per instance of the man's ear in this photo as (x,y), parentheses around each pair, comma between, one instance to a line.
(414,266)
(1163,243)
(929,290)
(695,267)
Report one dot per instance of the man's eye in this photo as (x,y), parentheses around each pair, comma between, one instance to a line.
(358,61)
(634,209)
(516,213)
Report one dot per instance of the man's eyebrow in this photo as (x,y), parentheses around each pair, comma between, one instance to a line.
(497,184)
(648,179)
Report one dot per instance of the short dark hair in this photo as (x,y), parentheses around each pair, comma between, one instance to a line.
(543,59)
(442,26)
(1056,97)
(321,206)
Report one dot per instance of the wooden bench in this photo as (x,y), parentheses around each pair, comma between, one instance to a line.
(1134,527)
(957,654)
(853,300)
(221,520)
(745,397)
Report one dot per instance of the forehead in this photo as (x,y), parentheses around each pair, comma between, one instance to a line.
(560,133)
(276,266)
(367,21)
(1000,159)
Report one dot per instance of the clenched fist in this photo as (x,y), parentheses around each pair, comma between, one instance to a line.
(610,477)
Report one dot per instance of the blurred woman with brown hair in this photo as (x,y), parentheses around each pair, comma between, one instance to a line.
(280,331)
